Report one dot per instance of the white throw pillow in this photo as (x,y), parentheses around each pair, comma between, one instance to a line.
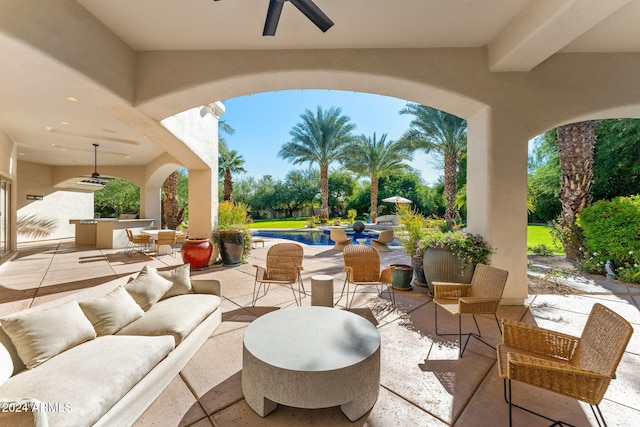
(38,335)
(148,287)
(111,312)
(179,276)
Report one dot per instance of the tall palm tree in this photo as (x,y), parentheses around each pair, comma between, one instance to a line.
(575,142)
(374,158)
(445,135)
(319,139)
(229,162)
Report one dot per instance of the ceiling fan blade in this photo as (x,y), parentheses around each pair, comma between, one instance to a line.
(313,12)
(273,17)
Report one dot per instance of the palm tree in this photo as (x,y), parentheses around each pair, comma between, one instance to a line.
(443,134)
(229,161)
(374,158)
(319,139)
(575,151)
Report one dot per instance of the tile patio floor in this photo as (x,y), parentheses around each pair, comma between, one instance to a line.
(423,382)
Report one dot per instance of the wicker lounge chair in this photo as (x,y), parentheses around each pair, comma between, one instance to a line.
(380,243)
(362,265)
(580,368)
(340,238)
(283,267)
(482,296)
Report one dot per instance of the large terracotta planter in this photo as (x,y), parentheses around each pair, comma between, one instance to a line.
(231,246)
(440,265)
(196,252)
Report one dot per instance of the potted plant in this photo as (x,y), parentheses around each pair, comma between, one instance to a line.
(411,233)
(452,256)
(232,233)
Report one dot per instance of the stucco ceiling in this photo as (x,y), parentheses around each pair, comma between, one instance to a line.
(518,35)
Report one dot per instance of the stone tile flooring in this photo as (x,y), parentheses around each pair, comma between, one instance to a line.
(423,381)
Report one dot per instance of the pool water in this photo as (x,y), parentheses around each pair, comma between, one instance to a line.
(316,238)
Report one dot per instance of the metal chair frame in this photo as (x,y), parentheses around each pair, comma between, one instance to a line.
(284,261)
(481,296)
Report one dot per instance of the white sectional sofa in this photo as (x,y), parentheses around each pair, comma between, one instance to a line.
(92,360)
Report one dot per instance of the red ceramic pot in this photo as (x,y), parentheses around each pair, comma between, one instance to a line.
(196,252)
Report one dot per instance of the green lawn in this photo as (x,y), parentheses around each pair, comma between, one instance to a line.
(539,234)
(536,234)
(279,223)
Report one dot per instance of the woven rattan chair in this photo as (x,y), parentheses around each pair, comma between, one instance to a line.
(580,368)
(168,238)
(380,243)
(362,266)
(283,267)
(481,296)
(135,242)
(340,238)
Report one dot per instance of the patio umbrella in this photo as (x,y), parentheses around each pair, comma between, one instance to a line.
(396,199)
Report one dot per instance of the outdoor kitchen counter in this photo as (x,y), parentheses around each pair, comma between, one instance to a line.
(106,233)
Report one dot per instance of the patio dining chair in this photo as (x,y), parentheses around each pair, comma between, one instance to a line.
(577,367)
(283,267)
(481,296)
(340,238)
(135,242)
(362,266)
(166,238)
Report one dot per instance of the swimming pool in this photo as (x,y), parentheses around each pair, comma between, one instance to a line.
(317,238)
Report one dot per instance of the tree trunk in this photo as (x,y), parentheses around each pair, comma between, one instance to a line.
(228,186)
(171,211)
(324,191)
(374,198)
(575,151)
(450,169)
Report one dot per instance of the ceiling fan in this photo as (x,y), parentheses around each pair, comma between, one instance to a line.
(307,7)
(95,178)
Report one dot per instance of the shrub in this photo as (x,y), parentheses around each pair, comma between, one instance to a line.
(413,229)
(612,229)
(540,249)
(351,215)
(468,248)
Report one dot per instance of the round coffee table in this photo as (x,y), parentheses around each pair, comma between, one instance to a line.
(311,357)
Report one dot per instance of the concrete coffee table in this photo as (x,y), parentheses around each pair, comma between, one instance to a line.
(311,357)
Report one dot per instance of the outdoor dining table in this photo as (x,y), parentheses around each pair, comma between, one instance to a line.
(163,249)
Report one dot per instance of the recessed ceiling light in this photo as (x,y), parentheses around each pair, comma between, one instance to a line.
(72,99)
(20,154)
(64,123)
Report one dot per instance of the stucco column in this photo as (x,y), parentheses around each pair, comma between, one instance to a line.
(497,195)
(198,129)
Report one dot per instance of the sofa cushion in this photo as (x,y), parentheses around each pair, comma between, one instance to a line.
(176,316)
(87,380)
(179,276)
(112,311)
(148,287)
(39,335)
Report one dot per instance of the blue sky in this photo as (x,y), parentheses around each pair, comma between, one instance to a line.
(262,123)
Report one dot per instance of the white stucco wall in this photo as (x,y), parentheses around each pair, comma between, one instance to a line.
(49,218)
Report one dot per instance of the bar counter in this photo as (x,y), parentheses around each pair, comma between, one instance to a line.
(107,233)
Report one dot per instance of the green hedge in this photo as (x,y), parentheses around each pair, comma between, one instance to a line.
(612,231)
